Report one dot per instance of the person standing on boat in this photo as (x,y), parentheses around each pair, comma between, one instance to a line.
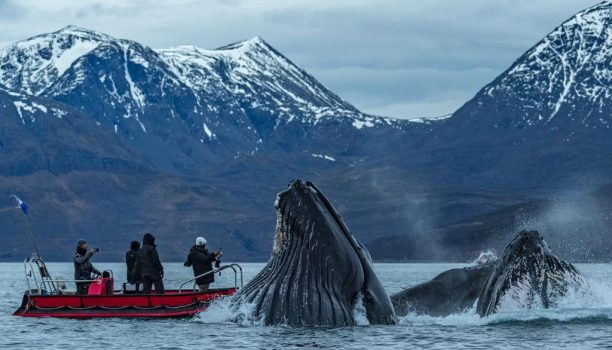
(148,265)
(133,277)
(202,262)
(83,268)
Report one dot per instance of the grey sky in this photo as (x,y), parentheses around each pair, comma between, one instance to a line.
(389,57)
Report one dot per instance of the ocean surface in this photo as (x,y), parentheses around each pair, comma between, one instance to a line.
(584,323)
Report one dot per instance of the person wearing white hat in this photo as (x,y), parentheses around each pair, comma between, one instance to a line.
(202,262)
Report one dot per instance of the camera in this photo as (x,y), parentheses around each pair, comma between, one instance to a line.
(218,261)
(96,250)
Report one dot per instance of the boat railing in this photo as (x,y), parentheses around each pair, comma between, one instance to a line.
(98,281)
(230,266)
(36,270)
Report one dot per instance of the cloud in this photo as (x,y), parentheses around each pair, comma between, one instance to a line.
(409,92)
(388,56)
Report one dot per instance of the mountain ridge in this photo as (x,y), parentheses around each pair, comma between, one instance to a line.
(215,134)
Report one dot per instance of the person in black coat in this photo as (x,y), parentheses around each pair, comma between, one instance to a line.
(130,260)
(148,266)
(83,269)
(202,262)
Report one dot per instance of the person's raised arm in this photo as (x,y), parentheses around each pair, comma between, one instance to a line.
(95,271)
(80,259)
(199,256)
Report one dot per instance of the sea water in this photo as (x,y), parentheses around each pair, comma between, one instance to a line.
(580,322)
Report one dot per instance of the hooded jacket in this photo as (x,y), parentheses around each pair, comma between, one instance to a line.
(202,261)
(147,260)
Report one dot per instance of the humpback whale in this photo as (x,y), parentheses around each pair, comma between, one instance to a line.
(527,275)
(318,271)
(450,292)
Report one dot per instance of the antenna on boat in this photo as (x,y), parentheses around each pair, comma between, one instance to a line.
(218,257)
(24,210)
(42,267)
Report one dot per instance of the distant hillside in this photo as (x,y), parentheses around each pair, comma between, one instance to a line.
(107,138)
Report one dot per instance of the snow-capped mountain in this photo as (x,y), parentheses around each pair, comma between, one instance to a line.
(565,78)
(115,81)
(203,105)
(251,71)
(543,123)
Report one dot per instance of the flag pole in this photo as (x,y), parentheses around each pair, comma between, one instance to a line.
(44,272)
(24,208)
(31,234)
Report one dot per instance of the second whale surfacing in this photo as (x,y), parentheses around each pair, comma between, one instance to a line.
(528,275)
(318,271)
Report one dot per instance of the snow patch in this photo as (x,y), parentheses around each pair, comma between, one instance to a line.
(323,156)
(424,120)
(135,92)
(40,107)
(208,132)
(359,124)
(19,106)
(66,58)
(58,112)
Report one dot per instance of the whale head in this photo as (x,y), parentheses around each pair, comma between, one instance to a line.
(318,272)
(528,275)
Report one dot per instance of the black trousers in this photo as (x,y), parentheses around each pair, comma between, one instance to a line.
(82,288)
(149,281)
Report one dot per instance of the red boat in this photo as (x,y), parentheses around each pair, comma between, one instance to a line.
(48,299)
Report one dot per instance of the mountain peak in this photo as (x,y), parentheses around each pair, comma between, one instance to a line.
(80,32)
(250,44)
(257,72)
(31,65)
(74,28)
(566,77)
(235,49)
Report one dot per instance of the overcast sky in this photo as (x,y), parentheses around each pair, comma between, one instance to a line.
(398,58)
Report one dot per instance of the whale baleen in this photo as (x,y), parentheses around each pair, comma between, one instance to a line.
(529,275)
(318,271)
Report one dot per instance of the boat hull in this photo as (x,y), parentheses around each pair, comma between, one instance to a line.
(170,304)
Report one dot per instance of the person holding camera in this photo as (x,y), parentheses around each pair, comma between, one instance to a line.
(83,269)
(202,260)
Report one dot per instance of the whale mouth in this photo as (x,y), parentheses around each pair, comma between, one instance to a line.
(309,194)
(528,275)
(317,271)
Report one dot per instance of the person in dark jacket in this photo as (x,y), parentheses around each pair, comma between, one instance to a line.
(202,262)
(149,267)
(83,269)
(130,259)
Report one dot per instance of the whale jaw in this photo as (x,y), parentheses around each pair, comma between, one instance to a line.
(528,275)
(317,271)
